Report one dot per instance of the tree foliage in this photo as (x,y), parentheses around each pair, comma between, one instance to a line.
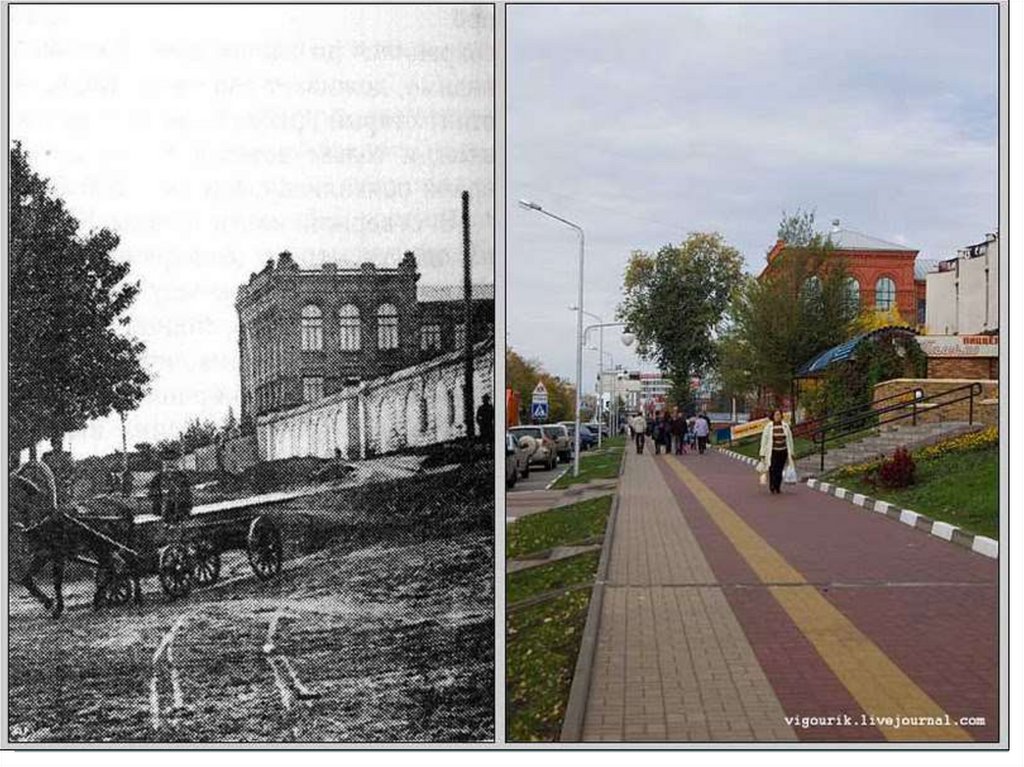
(799,308)
(70,358)
(797,229)
(673,301)
(522,375)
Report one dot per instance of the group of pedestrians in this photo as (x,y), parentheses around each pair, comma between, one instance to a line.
(673,433)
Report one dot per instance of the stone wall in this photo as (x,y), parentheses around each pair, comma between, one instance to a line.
(416,406)
(969,368)
(986,406)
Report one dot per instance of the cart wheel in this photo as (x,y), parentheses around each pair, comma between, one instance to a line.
(207,560)
(265,549)
(120,589)
(176,570)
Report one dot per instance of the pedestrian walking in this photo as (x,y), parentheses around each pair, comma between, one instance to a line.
(657,433)
(678,433)
(701,429)
(639,427)
(776,451)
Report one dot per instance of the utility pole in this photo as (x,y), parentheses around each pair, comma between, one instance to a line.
(467,286)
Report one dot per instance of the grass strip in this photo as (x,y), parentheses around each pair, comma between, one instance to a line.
(542,644)
(564,573)
(959,488)
(595,464)
(562,526)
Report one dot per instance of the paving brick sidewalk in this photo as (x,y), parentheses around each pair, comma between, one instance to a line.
(671,663)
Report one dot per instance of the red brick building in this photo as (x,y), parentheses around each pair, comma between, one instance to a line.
(882,274)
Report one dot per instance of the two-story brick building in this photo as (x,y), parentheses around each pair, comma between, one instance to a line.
(307,333)
(881,274)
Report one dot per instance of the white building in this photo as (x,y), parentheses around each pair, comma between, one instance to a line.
(638,390)
(962,297)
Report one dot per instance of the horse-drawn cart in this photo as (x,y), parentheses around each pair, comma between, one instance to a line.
(187,553)
(180,544)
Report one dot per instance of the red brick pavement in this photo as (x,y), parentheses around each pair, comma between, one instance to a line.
(931,606)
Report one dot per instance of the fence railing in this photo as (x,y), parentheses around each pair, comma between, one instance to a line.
(845,424)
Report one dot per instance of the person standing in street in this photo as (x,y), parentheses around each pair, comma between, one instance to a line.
(485,419)
(776,450)
(639,426)
(656,433)
(678,433)
(701,428)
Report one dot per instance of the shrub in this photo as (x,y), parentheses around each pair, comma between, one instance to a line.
(897,471)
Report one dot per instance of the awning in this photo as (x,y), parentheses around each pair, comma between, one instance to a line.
(844,351)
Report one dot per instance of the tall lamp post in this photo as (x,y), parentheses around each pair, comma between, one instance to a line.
(627,340)
(579,326)
(601,351)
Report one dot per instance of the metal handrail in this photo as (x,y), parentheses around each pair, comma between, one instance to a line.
(820,436)
(918,393)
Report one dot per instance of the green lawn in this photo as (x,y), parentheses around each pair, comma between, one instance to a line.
(595,464)
(557,527)
(959,488)
(557,575)
(540,657)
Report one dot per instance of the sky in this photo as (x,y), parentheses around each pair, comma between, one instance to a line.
(643,124)
(212,138)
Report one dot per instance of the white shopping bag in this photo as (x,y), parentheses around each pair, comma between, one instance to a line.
(789,475)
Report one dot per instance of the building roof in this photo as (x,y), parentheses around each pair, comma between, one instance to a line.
(844,351)
(848,239)
(923,266)
(429,293)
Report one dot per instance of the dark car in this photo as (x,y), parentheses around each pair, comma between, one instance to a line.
(587,437)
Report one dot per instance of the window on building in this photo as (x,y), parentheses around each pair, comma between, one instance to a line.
(350,337)
(853,292)
(312,329)
(312,389)
(451,407)
(921,305)
(387,327)
(460,335)
(430,337)
(812,287)
(885,294)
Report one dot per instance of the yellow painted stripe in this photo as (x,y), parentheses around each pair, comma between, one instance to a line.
(877,684)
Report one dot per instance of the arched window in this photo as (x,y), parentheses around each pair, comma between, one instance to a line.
(312,328)
(812,287)
(853,292)
(350,338)
(885,294)
(387,327)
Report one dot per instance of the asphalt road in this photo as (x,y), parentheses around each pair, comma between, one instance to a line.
(373,632)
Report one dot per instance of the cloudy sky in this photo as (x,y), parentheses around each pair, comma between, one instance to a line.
(642,124)
(212,138)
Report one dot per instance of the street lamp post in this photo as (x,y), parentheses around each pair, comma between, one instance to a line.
(627,340)
(599,371)
(579,327)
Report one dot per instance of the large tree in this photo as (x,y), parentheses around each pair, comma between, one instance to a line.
(674,300)
(800,307)
(70,358)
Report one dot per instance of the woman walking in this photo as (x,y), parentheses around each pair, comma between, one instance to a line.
(776,450)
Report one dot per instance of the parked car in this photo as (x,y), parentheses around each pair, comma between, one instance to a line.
(517,459)
(546,452)
(587,437)
(563,445)
(594,426)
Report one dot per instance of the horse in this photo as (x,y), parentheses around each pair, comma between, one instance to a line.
(102,527)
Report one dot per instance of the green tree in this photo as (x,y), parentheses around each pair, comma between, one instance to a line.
(799,308)
(673,302)
(197,434)
(522,375)
(70,359)
(797,229)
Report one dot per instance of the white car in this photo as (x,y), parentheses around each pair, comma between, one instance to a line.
(546,453)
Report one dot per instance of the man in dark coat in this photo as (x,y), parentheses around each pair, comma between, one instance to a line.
(485,419)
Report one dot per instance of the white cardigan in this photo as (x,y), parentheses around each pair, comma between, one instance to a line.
(766,441)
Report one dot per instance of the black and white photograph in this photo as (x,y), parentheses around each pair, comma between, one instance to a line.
(250,375)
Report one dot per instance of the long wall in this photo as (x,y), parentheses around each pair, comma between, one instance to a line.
(415,406)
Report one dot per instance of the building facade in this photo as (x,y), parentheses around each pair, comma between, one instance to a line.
(882,274)
(963,293)
(306,334)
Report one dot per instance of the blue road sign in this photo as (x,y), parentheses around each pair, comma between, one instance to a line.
(539,411)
